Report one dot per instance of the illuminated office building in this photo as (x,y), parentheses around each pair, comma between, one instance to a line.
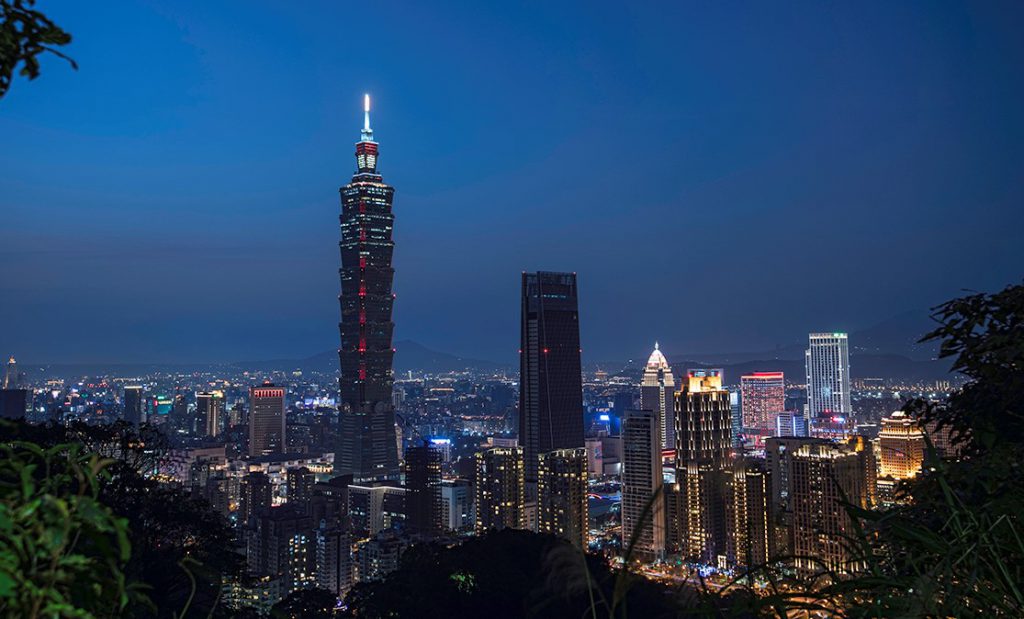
(642,480)
(703,450)
(266,420)
(210,412)
(499,489)
(762,398)
(828,385)
(369,448)
(901,453)
(657,394)
(11,374)
(551,384)
(562,494)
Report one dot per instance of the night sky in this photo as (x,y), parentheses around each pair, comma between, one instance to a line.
(723,177)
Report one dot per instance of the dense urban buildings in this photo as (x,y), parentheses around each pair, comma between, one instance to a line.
(368,449)
(762,398)
(550,386)
(830,412)
(266,420)
(643,499)
(657,394)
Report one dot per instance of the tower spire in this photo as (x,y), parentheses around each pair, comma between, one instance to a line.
(367,133)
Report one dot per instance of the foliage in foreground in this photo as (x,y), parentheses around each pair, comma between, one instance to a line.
(62,552)
(26,34)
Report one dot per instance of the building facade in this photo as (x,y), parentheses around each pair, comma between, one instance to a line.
(499,489)
(643,498)
(703,451)
(762,398)
(551,384)
(657,394)
(266,420)
(134,405)
(562,495)
(368,449)
(830,412)
(423,489)
(210,412)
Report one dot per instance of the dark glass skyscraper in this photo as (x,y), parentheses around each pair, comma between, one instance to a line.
(550,384)
(368,448)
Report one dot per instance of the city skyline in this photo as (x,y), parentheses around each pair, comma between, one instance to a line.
(223,160)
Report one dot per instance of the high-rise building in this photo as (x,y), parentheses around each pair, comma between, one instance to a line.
(550,377)
(657,394)
(750,522)
(375,506)
(11,374)
(901,453)
(823,477)
(902,447)
(134,405)
(368,449)
(333,560)
(562,495)
(643,498)
(828,385)
(282,546)
(457,509)
(256,495)
(210,412)
(499,489)
(423,489)
(266,420)
(762,398)
(299,483)
(703,450)
(790,423)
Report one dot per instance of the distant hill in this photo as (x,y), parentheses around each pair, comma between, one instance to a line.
(409,356)
(861,366)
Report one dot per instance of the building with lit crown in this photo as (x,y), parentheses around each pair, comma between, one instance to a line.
(657,394)
(703,452)
(368,449)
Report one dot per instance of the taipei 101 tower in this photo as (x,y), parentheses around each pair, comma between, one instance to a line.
(368,450)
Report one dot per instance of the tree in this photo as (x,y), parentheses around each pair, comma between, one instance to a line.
(62,552)
(306,604)
(26,34)
(181,548)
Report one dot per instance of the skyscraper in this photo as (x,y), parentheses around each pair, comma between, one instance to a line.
(368,450)
(551,384)
(11,374)
(657,394)
(13,403)
(762,398)
(499,489)
(828,384)
(750,522)
(562,494)
(210,412)
(901,453)
(703,448)
(423,489)
(133,405)
(266,420)
(642,481)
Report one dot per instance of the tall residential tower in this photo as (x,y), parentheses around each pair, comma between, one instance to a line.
(368,449)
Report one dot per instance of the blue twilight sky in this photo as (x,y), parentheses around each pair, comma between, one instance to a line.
(723,176)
